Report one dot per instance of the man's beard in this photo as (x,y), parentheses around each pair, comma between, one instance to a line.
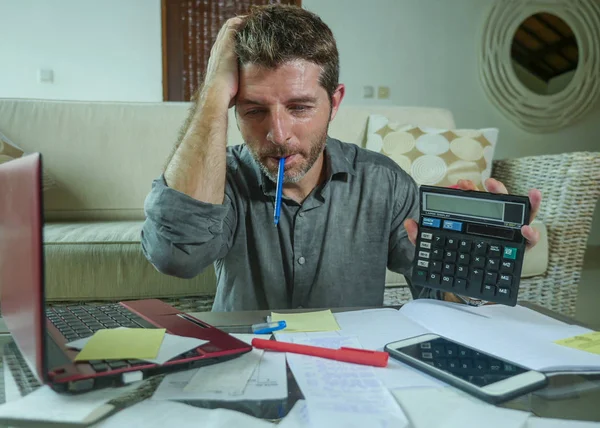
(279,151)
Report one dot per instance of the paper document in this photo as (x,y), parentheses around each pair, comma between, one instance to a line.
(342,394)
(46,405)
(267,382)
(170,347)
(153,414)
(122,343)
(450,408)
(527,343)
(589,342)
(297,417)
(307,321)
(229,377)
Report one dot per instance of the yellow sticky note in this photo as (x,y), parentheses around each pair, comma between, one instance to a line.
(589,342)
(307,321)
(122,343)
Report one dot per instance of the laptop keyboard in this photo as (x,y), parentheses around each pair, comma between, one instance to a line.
(77,322)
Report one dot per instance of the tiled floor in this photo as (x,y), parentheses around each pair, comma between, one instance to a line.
(588,299)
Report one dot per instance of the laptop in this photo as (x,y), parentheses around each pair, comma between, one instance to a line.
(41,331)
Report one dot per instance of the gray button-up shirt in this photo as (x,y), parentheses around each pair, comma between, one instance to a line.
(330,251)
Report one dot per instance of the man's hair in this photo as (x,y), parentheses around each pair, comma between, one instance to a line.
(274,34)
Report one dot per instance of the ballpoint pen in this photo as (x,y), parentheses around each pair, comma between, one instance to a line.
(348,355)
(279,190)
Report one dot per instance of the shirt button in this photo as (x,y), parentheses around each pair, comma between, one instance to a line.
(301,214)
(301,260)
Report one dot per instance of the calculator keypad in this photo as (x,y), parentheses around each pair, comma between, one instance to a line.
(472,267)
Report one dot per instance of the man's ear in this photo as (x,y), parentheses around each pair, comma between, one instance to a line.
(336,99)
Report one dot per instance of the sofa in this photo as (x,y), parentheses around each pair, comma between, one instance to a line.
(103,156)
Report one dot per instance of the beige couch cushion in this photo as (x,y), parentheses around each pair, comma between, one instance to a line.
(104,155)
(103,261)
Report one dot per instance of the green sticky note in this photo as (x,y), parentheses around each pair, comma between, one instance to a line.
(307,321)
(589,342)
(123,343)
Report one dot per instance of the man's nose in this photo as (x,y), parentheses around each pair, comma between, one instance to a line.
(279,128)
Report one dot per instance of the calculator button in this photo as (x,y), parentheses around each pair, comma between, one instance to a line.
(436,266)
(422,275)
(491,278)
(451,243)
(431,222)
(489,290)
(437,254)
(449,256)
(510,253)
(480,247)
(505,281)
(462,271)
(425,245)
(495,251)
(479,261)
(507,266)
(453,225)
(464,245)
(504,291)
(438,350)
(438,241)
(492,264)
(422,263)
(448,269)
(464,259)
(476,278)
(451,351)
(448,281)
(424,254)
(434,279)
(426,235)
(460,284)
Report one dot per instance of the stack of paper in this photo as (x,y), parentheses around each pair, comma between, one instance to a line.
(228,381)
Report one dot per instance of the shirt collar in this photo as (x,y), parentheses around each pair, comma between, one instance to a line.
(335,162)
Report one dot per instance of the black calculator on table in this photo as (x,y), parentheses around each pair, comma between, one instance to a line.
(470,243)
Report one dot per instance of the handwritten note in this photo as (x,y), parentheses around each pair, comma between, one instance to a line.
(589,342)
(122,343)
(307,321)
(342,394)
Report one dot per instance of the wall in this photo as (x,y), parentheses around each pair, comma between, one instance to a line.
(108,50)
(425,51)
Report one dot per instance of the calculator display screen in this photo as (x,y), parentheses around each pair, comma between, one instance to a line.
(493,210)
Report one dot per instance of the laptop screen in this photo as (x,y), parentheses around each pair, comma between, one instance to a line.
(21,258)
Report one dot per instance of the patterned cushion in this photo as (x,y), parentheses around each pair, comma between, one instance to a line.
(9,151)
(431,156)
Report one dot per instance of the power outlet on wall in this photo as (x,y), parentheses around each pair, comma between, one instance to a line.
(383,92)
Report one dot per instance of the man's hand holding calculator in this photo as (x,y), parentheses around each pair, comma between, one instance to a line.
(528,233)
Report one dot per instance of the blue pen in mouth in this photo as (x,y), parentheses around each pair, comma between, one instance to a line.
(278,193)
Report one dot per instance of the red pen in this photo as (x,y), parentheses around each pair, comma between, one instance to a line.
(348,355)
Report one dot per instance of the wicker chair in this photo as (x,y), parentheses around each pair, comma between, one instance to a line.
(570,186)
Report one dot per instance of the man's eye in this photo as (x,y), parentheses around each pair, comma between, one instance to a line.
(254,112)
(300,108)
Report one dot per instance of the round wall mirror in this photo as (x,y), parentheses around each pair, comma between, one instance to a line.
(540,61)
(544,53)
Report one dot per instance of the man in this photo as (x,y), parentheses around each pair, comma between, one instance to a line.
(346,213)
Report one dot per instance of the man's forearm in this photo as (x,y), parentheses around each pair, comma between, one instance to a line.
(198,165)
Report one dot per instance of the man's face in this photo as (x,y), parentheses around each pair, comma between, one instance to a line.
(284,112)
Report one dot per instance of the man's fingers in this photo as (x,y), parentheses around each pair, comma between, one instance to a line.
(466,185)
(411,229)
(535,198)
(532,235)
(494,186)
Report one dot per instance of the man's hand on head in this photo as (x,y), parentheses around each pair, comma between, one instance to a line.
(494,186)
